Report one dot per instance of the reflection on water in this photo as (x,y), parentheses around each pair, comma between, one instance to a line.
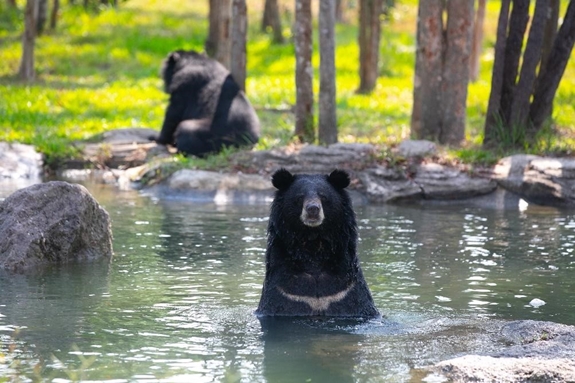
(177,302)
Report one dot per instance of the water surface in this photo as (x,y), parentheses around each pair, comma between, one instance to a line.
(176,304)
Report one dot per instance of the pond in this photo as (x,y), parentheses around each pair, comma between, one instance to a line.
(176,304)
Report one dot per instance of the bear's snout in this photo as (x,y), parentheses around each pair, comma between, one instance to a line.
(312,212)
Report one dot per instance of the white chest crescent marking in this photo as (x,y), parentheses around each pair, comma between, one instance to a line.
(318,303)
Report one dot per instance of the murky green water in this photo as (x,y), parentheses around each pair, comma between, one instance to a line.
(177,302)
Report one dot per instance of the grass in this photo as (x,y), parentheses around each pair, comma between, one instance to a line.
(100,70)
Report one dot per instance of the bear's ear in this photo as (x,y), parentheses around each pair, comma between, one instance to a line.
(282,179)
(339,179)
(173,57)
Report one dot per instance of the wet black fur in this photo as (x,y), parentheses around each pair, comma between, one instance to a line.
(313,261)
(207,110)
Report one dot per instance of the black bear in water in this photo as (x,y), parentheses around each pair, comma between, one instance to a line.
(207,110)
(312,267)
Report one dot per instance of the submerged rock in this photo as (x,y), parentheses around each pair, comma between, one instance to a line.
(54,222)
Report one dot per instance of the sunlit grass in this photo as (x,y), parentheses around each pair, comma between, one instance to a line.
(100,71)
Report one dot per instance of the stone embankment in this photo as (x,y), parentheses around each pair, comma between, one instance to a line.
(412,172)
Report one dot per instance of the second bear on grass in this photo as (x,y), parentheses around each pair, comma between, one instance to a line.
(207,109)
(311,262)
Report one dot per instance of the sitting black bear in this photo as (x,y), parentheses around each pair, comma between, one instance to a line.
(207,110)
(311,262)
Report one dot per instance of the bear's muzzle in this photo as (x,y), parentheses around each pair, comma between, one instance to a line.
(312,212)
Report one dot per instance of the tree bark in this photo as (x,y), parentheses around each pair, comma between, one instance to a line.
(531,58)
(41,17)
(455,77)
(426,113)
(238,49)
(340,11)
(369,38)
(211,44)
(224,44)
(549,81)
(271,19)
(26,71)
(54,14)
(493,117)
(327,130)
(304,129)
(477,44)
(517,26)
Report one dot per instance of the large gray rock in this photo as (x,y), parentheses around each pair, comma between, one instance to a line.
(120,149)
(445,183)
(544,181)
(416,148)
(312,158)
(54,222)
(384,185)
(537,352)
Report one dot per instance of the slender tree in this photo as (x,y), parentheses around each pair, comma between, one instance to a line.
(26,71)
(327,130)
(54,14)
(369,38)
(524,81)
(238,48)
(455,78)
(304,120)
(12,3)
(211,44)
(555,66)
(271,19)
(442,70)
(340,11)
(477,41)
(224,44)
(41,17)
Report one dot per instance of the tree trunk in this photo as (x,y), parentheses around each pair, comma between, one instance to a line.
(304,72)
(340,11)
(517,26)
(271,19)
(549,81)
(54,14)
(26,71)
(211,44)
(477,44)
(531,58)
(455,77)
(12,4)
(493,117)
(238,50)
(327,131)
(369,38)
(426,113)
(224,44)
(41,17)
(518,108)
(442,70)
(550,31)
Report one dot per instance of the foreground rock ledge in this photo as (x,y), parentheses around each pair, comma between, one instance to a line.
(53,222)
(539,352)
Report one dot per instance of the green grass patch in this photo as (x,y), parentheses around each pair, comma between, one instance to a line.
(99,70)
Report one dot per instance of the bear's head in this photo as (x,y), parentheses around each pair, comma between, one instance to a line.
(177,60)
(311,200)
